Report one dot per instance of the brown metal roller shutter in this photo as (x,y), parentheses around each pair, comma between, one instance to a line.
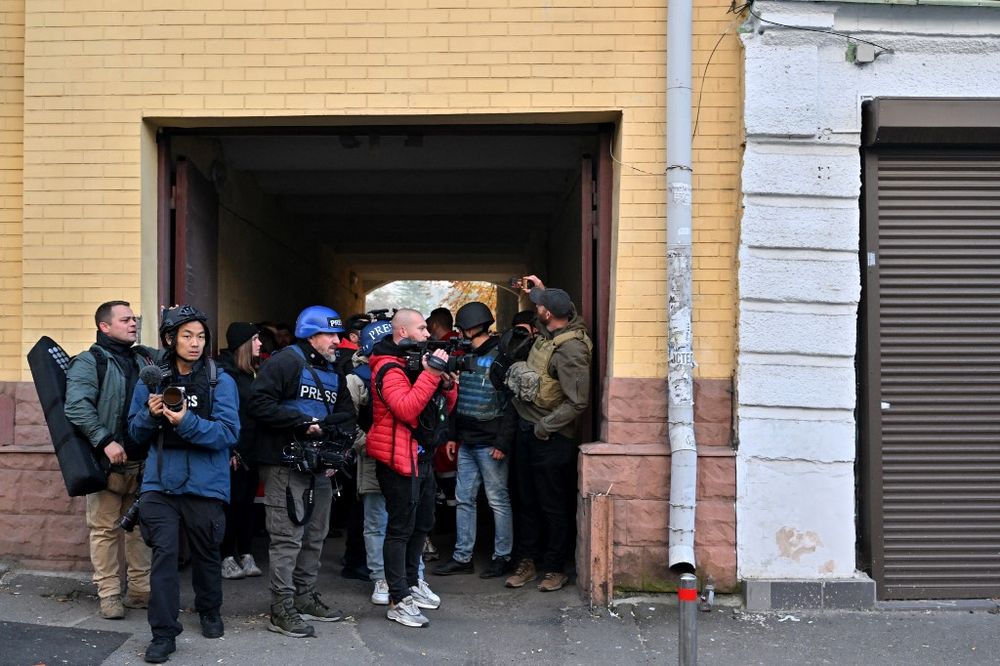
(937,294)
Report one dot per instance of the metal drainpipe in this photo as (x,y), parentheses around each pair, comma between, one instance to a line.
(683,448)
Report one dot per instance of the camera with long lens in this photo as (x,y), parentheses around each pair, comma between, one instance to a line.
(333,450)
(128,521)
(459,358)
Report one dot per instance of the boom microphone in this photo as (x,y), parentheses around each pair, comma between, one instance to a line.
(152,376)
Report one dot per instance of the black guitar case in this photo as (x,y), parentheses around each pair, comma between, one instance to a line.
(83,469)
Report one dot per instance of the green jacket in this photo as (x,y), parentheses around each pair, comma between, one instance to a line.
(100,412)
(570,366)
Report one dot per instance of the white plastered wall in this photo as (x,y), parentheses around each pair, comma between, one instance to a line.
(799,275)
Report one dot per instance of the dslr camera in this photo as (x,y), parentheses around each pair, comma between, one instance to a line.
(153,377)
(332,450)
(459,357)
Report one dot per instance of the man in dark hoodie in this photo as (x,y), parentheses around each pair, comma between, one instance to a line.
(551,389)
(99,387)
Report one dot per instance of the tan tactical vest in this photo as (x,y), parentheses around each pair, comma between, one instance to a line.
(550,393)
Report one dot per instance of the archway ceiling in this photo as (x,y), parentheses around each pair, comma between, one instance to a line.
(403,205)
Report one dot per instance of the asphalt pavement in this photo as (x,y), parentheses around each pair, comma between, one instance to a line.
(52,619)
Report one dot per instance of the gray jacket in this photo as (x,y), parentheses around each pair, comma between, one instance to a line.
(99,411)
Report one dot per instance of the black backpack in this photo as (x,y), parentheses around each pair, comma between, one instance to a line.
(514,345)
(433,428)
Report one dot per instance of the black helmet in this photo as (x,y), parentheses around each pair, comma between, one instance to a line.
(472,315)
(175,317)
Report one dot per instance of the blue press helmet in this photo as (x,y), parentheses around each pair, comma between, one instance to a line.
(317,319)
(372,333)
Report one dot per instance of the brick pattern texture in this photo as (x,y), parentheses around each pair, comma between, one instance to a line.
(94,69)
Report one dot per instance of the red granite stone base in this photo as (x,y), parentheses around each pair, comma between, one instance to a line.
(40,525)
(632,468)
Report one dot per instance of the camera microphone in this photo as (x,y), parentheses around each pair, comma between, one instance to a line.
(151,376)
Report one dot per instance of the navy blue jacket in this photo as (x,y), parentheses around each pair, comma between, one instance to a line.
(202,469)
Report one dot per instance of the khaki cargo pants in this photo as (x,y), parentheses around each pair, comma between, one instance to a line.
(104,508)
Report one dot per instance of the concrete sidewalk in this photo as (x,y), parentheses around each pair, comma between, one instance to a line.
(481,622)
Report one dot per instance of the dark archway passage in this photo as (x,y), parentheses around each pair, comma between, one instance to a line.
(326,214)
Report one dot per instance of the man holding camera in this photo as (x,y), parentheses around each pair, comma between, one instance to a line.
(551,389)
(99,385)
(186,410)
(412,394)
(484,436)
(300,394)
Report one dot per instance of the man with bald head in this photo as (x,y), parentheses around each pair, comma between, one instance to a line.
(410,405)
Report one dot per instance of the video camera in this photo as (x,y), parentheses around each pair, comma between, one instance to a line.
(334,449)
(459,357)
(381,315)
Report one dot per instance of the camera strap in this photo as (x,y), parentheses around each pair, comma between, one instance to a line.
(320,387)
(308,501)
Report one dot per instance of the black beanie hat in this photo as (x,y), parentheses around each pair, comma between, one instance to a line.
(239,332)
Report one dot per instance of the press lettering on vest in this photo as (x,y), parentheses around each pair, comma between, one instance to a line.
(312,393)
(192,400)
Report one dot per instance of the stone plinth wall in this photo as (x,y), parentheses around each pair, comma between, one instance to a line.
(40,525)
(632,467)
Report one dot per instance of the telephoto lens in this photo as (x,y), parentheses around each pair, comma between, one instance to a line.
(131,517)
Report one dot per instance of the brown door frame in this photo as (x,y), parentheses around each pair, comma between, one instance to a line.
(164,222)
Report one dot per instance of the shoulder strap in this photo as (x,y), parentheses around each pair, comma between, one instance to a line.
(213,381)
(578,334)
(381,374)
(101,360)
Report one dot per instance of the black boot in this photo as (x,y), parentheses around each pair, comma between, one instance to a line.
(159,650)
(453,566)
(211,625)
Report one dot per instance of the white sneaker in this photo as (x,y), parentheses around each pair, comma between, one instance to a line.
(250,567)
(231,570)
(423,596)
(380,597)
(407,614)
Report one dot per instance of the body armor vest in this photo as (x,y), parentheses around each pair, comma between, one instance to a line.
(550,393)
(477,399)
(314,401)
(197,393)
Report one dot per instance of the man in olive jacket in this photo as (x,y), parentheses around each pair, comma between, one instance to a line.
(551,389)
(99,385)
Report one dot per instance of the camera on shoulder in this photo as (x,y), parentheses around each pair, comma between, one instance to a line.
(459,357)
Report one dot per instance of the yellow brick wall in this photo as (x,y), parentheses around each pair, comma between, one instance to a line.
(95,68)
(11,114)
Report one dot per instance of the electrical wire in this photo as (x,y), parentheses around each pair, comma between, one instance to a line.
(733,9)
(756,15)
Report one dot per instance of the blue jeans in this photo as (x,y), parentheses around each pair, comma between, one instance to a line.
(376,518)
(475,466)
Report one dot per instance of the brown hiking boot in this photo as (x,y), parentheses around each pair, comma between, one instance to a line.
(112,608)
(552,581)
(524,574)
(136,600)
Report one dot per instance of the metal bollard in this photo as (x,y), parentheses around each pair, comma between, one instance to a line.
(687,605)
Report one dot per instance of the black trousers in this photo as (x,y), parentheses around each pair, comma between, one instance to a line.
(409,501)
(203,519)
(544,517)
(239,512)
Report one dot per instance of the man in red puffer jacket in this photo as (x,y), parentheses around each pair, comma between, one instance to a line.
(409,421)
